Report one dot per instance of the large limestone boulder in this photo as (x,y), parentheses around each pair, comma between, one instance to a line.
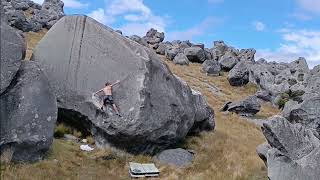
(195,54)
(306,113)
(79,55)
(28,115)
(239,75)
(171,52)
(247,54)
(218,50)
(153,36)
(228,61)
(211,67)
(181,59)
(294,152)
(12,52)
(247,107)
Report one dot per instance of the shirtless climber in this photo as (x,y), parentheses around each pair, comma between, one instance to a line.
(107,98)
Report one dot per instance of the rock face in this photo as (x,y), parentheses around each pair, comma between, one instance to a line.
(139,40)
(79,55)
(294,152)
(27,16)
(248,107)
(171,52)
(247,54)
(154,37)
(306,113)
(28,115)
(239,75)
(264,95)
(228,61)
(12,52)
(181,59)
(177,157)
(211,67)
(262,151)
(195,54)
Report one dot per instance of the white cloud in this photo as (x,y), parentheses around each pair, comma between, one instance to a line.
(197,30)
(296,43)
(259,26)
(100,16)
(74,4)
(119,7)
(69,3)
(312,6)
(138,17)
(301,16)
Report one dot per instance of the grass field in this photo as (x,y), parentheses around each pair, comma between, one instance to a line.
(228,152)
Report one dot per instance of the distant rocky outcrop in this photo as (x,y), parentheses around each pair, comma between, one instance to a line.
(239,75)
(158,108)
(26,15)
(28,107)
(211,67)
(181,59)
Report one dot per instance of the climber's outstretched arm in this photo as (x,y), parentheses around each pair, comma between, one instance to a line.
(117,82)
(98,91)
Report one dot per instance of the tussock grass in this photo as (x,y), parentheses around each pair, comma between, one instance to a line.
(227,153)
(32,39)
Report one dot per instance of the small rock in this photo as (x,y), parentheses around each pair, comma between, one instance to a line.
(177,157)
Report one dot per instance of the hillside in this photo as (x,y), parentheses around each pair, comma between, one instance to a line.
(226,153)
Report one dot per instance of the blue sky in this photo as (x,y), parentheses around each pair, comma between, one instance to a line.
(280,30)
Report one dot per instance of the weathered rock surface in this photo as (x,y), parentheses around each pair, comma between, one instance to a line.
(195,54)
(171,52)
(181,59)
(262,151)
(162,48)
(79,55)
(228,61)
(154,37)
(12,52)
(27,16)
(28,115)
(306,113)
(211,67)
(264,95)
(218,50)
(294,152)
(247,54)
(247,107)
(239,75)
(139,40)
(176,157)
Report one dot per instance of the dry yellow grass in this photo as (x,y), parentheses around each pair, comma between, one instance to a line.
(228,152)
(32,39)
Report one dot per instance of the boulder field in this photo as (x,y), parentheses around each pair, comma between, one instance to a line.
(79,55)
